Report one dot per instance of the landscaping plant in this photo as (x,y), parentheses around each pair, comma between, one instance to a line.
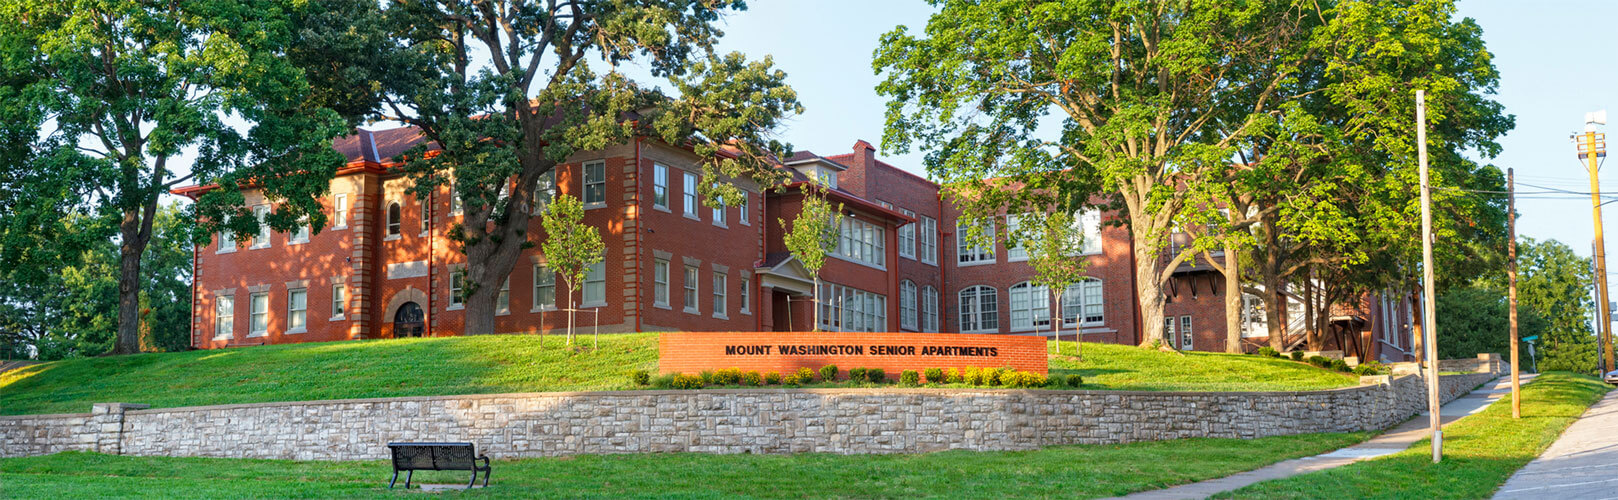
(828,373)
(909,378)
(934,375)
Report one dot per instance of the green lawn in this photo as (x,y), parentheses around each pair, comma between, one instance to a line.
(517,363)
(1064,471)
(1480,452)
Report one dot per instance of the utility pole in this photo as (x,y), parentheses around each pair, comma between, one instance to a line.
(1591,147)
(1428,310)
(1511,288)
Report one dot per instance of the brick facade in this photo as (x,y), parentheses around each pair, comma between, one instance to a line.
(386,274)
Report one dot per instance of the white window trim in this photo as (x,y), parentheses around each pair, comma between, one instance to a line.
(962,246)
(230,333)
(690,201)
(505,288)
(454,302)
(927,315)
(334,301)
(909,229)
(929,258)
(223,248)
(912,319)
(251,333)
(741,210)
(878,245)
(720,295)
(585,285)
(534,305)
(305,326)
(584,185)
(1079,320)
(1033,324)
(301,235)
(1012,221)
(960,305)
(747,296)
(664,303)
(262,239)
(691,283)
(659,168)
(720,218)
(1080,219)
(339,210)
(836,314)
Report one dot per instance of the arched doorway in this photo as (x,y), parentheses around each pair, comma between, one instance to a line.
(407,322)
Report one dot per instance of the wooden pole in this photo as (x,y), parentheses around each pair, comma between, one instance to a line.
(1593,149)
(1511,289)
(1429,318)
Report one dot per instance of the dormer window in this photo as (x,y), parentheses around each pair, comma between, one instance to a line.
(825,177)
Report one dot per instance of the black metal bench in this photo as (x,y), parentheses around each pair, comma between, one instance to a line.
(411,457)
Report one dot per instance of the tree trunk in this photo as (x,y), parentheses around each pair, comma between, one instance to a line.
(1275,306)
(1233,300)
(1149,287)
(814,306)
(480,306)
(135,232)
(570,314)
(1311,313)
(1056,324)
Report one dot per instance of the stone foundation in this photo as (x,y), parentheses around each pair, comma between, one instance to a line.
(847,421)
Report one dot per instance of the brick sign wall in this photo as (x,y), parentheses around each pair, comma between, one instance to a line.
(784,352)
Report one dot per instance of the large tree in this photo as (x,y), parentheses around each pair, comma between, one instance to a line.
(1137,87)
(137,96)
(505,92)
(1554,282)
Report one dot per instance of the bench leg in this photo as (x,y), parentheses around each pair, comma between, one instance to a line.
(486,473)
(474,480)
(394,480)
(408,475)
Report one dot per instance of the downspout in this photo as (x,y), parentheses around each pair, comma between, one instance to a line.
(938,260)
(893,278)
(195,255)
(432,197)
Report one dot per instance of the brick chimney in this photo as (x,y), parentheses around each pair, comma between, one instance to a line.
(857,179)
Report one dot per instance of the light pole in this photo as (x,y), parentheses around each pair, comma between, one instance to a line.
(1429,314)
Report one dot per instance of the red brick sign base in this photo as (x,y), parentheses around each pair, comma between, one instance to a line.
(785,352)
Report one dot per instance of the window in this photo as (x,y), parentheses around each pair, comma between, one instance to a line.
(690,299)
(1030,307)
(426,215)
(965,253)
(263,238)
(980,310)
(660,283)
(689,196)
(339,300)
(259,314)
(719,214)
(393,219)
(224,317)
(1168,329)
(742,215)
(1015,252)
(544,191)
(595,285)
(1186,340)
(907,238)
(847,309)
(660,186)
(339,213)
(456,206)
(1081,304)
(907,304)
(1255,320)
(595,184)
(297,310)
(927,240)
(457,282)
(719,289)
(861,242)
(227,241)
(301,235)
(1090,222)
(826,177)
(544,288)
(747,295)
(929,309)
(502,301)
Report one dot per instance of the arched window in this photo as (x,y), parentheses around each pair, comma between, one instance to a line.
(980,310)
(907,304)
(1030,307)
(1082,304)
(393,219)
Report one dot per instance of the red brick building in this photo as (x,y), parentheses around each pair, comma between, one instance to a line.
(384,268)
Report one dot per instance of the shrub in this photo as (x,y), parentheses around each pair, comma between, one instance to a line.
(1268,352)
(856,375)
(684,381)
(805,375)
(991,376)
(1370,368)
(828,373)
(1075,381)
(909,378)
(707,377)
(728,376)
(934,375)
(772,378)
(1021,379)
(752,378)
(640,377)
(1339,365)
(974,375)
(876,375)
(954,376)
(1297,355)
(790,379)
(1320,361)
(663,381)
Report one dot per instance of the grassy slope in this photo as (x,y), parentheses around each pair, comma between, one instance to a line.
(517,363)
(1064,471)
(1480,452)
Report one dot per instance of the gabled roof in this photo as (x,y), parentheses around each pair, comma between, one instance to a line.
(806,157)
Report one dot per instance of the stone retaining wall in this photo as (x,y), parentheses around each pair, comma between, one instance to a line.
(721,421)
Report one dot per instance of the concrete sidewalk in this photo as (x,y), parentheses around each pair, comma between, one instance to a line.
(1582,463)
(1393,441)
